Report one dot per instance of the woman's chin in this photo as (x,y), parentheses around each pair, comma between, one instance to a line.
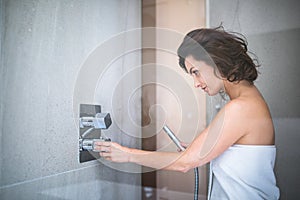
(210,93)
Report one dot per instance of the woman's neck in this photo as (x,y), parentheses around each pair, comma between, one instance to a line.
(235,90)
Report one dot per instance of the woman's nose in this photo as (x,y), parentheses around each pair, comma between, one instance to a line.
(197,83)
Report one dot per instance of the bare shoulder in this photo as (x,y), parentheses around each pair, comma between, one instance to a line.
(238,109)
(249,105)
(251,116)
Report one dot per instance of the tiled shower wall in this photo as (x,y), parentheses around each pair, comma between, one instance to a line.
(43,46)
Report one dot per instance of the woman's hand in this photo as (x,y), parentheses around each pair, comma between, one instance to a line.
(113,151)
(185,145)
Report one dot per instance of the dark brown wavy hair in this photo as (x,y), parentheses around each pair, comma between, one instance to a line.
(227,51)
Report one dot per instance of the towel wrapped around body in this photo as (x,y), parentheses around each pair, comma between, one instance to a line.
(244,172)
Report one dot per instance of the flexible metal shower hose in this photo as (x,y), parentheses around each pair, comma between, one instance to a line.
(196,183)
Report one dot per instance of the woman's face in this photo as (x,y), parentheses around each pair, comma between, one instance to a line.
(204,76)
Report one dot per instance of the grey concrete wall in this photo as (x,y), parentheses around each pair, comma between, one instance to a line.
(273,32)
(1,83)
(44,45)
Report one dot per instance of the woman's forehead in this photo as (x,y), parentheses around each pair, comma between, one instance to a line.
(190,62)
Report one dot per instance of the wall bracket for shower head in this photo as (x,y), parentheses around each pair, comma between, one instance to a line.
(91,122)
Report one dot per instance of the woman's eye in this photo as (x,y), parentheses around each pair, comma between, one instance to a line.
(195,72)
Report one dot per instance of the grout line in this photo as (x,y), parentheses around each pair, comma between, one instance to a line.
(44,177)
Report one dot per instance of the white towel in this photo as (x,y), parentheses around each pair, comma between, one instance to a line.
(244,172)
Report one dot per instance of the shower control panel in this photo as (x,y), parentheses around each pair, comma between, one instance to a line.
(91,122)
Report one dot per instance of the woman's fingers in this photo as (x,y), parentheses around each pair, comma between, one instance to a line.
(103,143)
(103,149)
(102,146)
(185,145)
(105,155)
(111,151)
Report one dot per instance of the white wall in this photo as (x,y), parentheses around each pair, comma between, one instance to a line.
(273,32)
(44,45)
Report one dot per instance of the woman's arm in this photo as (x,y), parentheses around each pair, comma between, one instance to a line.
(158,160)
(225,130)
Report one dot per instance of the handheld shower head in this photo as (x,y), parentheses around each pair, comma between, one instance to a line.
(173,137)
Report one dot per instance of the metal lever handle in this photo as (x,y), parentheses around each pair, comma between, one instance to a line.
(100,121)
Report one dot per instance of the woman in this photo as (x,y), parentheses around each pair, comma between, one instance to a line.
(239,142)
